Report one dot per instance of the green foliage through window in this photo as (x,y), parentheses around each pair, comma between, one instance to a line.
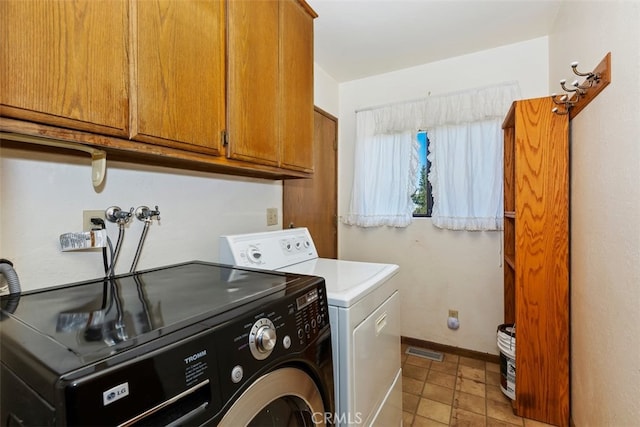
(422,197)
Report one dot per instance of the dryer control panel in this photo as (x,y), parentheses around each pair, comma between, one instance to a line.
(270,250)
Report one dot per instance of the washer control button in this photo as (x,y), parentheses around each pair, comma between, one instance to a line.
(286,342)
(236,374)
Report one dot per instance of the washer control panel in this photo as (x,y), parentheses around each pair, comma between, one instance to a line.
(269,250)
(286,326)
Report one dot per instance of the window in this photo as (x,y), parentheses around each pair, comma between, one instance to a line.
(423,197)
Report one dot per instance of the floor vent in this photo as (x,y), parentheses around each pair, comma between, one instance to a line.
(427,354)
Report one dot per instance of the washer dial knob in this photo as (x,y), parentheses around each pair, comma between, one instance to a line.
(262,338)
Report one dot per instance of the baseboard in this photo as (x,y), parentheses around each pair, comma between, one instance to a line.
(487,357)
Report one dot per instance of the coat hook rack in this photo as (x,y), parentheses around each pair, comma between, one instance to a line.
(579,94)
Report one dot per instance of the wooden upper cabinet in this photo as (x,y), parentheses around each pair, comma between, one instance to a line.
(270,83)
(252,100)
(65,63)
(296,82)
(178,73)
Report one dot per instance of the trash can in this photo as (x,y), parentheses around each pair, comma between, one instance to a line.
(507,345)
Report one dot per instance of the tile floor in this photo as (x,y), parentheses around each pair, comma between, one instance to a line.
(459,391)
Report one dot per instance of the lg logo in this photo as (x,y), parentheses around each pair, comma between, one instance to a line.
(115,393)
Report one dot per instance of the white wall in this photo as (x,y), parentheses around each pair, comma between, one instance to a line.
(43,195)
(439,269)
(605,212)
(326,91)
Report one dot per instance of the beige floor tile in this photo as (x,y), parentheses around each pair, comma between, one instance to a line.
(419,421)
(410,402)
(470,386)
(434,410)
(493,378)
(416,372)
(453,393)
(438,393)
(446,367)
(495,393)
(502,411)
(471,373)
(407,418)
(462,418)
(450,358)
(492,367)
(472,363)
(441,379)
(491,422)
(418,361)
(470,403)
(411,385)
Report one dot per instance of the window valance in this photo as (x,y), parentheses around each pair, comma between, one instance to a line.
(469,106)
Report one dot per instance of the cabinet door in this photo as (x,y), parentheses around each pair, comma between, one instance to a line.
(252,103)
(296,83)
(179,73)
(65,63)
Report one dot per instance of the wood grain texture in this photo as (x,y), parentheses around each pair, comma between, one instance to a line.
(65,63)
(312,203)
(132,151)
(603,69)
(509,216)
(179,73)
(296,87)
(541,262)
(253,78)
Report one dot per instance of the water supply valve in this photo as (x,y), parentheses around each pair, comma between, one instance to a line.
(115,214)
(143,213)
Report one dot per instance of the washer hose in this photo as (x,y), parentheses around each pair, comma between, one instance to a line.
(6,269)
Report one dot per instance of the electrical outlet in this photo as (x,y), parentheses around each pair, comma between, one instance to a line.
(86,219)
(272,216)
(453,313)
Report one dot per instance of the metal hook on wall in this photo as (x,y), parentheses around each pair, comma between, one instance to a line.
(578,95)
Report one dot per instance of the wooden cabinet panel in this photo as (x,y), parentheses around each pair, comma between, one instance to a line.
(179,73)
(296,81)
(65,63)
(162,79)
(270,80)
(252,101)
(538,288)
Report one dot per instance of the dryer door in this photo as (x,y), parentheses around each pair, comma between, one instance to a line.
(284,397)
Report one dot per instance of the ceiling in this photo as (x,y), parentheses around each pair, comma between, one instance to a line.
(360,38)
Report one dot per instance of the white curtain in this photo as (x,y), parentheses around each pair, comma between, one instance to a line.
(464,131)
(383,182)
(466,175)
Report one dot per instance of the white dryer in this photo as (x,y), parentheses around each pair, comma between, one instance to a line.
(364,313)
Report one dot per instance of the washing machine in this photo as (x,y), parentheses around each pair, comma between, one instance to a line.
(190,344)
(364,312)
